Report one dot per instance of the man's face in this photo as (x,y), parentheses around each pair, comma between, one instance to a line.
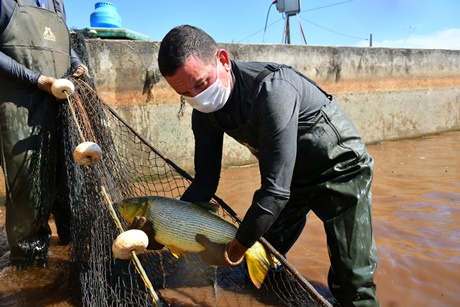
(195,76)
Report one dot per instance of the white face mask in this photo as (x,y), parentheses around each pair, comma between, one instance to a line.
(211,99)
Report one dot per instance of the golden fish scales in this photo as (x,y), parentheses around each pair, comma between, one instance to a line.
(177,224)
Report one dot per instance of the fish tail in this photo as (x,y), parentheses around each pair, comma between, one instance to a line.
(259,262)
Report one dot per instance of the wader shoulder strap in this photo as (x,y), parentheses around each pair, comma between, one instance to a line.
(57,5)
(271,67)
(212,118)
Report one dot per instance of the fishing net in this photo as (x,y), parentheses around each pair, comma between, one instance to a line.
(132,167)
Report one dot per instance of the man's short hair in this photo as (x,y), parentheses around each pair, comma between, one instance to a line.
(180,43)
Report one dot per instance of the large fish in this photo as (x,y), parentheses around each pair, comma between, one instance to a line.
(176,223)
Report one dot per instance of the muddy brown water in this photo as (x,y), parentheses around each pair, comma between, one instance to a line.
(416,218)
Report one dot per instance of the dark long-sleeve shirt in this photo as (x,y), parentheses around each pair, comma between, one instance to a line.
(9,67)
(265,118)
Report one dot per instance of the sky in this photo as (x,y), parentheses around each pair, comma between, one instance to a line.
(427,24)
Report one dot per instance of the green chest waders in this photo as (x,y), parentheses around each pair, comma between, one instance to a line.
(38,39)
(332,177)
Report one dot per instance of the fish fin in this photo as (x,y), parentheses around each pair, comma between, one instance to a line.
(177,251)
(208,206)
(259,261)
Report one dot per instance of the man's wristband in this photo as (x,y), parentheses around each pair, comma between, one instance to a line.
(232,263)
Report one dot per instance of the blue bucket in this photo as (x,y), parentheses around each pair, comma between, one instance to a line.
(105,15)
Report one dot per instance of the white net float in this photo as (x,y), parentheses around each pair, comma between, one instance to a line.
(87,152)
(60,87)
(130,240)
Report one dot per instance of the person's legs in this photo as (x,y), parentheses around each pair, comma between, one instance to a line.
(26,153)
(288,226)
(342,199)
(62,214)
(344,204)
(26,221)
(61,203)
(353,255)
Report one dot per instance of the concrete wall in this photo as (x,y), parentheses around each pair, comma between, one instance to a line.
(389,93)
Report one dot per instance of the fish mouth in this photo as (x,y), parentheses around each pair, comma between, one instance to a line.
(124,207)
(130,207)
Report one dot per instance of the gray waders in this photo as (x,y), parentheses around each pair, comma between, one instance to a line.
(38,39)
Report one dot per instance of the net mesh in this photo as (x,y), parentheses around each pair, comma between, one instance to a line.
(132,167)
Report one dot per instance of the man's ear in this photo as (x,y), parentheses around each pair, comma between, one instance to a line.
(224,58)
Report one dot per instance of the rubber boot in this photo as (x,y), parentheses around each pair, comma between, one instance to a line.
(28,153)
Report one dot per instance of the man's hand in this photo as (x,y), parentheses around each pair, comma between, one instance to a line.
(215,253)
(142,223)
(80,70)
(44,84)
